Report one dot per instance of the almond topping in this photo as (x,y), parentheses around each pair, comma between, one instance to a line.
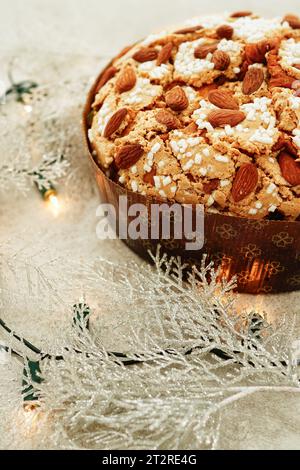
(291,148)
(225,31)
(168,119)
(146,54)
(126,80)
(211,186)
(256,53)
(290,169)
(223,99)
(253,80)
(202,51)
(281,80)
(165,53)
(115,122)
(285,142)
(128,155)
(293,21)
(106,76)
(188,30)
(224,117)
(245,182)
(240,14)
(176,99)
(221,60)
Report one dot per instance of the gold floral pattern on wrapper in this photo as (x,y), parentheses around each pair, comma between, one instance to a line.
(251,251)
(265,290)
(171,245)
(244,278)
(282,240)
(226,231)
(294,281)
(257,225)
(263,255)
(273,268)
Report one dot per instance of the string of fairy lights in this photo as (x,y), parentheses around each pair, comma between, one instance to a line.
(32,375)
(31,368)
(20,91)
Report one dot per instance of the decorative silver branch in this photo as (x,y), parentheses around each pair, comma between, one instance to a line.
(194,356)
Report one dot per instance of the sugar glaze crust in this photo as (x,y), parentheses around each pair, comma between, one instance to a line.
(208,113)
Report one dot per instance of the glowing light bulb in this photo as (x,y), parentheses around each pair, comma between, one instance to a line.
(30,407)
(53,202)
(29,418)
(28,108)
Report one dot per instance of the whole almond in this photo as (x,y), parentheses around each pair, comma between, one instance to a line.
(165,53)
(224,117)
(211,186)
(285,143)
(282,80)
(128,155)
(245,182)
(168,119)
(115,122)
(223,99)
(256,53)
(243,70)
(241,14)
(293,21)
(291,148)
(225,31)
(253,80)
(176,99)
(126,80)
(109,73)
(146,54)
(221,60)
(189,29)
(280,144)
(202,51)
(290,169)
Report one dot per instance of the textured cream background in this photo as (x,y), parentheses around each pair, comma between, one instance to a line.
(82,35)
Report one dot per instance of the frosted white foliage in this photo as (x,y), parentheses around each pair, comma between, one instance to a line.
(43,137)
(189,358)
(20,177)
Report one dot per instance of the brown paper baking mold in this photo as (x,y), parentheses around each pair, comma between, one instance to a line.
(264,255)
